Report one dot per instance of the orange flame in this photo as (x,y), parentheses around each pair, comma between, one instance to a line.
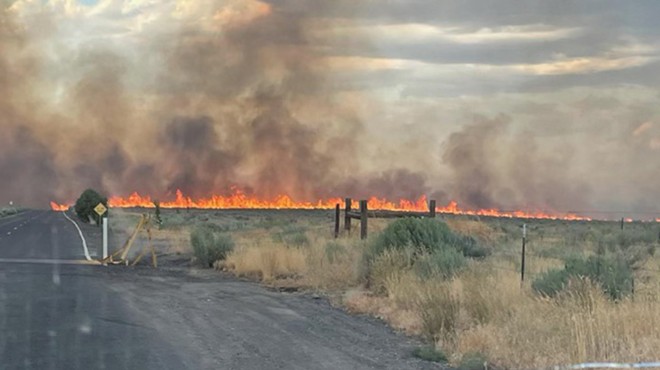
(240,200)
(59,207)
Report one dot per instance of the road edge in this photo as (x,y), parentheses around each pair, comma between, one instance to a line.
(84,242)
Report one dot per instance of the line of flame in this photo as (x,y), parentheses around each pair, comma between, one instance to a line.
(240,200)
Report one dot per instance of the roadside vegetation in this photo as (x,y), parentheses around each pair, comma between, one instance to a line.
(9,211)
(86,203)
(590,290)
(210,245)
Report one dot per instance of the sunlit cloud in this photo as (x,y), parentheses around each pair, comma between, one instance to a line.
(417,32)
(585,65)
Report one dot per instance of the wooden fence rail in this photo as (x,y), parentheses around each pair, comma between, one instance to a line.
(363,214)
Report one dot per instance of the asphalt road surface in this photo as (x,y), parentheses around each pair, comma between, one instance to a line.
(58,315)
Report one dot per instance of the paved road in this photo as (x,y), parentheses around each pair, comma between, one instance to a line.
(61,316)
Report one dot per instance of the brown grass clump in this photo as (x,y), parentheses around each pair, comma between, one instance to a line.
(333,265)
(324,264)
(439,308)
(361,301)
(389,265)
(267,262)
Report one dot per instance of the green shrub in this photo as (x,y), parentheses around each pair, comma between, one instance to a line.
(473,361)
(424,236)
(8,211)
(430,353)
(443,263)
(430,247)
(613,274)
(210,246)
(85,205)
(470,247)
(551,282)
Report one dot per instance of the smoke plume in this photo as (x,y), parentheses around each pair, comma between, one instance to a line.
(237,101)
(247,94)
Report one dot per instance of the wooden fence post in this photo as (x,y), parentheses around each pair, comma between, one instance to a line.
(363,219)
(432,208)
(337,207)
(347,217)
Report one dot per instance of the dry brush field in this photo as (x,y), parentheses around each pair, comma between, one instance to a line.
(469,305)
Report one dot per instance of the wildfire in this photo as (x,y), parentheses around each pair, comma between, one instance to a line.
(59,207)
(240,200)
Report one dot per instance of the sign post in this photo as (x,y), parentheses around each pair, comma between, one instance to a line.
(105,237)
(100,209)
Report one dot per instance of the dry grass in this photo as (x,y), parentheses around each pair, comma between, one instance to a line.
(325,264)
(473,228)
(268,262)
(483,309)
(487,312)
(523,331)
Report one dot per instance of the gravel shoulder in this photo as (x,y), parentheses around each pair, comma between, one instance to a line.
(216,321)
(219,322)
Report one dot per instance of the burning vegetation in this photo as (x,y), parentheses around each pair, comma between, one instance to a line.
(240,200)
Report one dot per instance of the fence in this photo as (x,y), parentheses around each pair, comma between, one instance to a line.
(363,214)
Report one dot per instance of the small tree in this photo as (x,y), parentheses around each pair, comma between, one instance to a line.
(158,219)
(85,205)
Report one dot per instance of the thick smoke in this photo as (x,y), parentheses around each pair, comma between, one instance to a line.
(245,97)
(238,101)
(25,163)
(493,167)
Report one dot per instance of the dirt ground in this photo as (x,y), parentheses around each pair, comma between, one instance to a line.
(216,320)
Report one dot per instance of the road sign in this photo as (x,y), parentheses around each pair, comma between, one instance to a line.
(100,209)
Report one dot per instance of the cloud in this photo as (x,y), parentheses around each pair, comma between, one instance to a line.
(422,32)
(585,65)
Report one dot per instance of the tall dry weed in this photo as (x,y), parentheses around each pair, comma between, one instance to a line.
(267,262)
(333,265)
(387,264)
(439,309)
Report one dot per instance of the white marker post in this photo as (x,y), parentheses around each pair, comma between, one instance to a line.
(100,210)
(105,237)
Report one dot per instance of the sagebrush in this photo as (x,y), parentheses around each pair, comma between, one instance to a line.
(210,246)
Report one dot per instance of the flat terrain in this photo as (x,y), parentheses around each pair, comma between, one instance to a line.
(56,315)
